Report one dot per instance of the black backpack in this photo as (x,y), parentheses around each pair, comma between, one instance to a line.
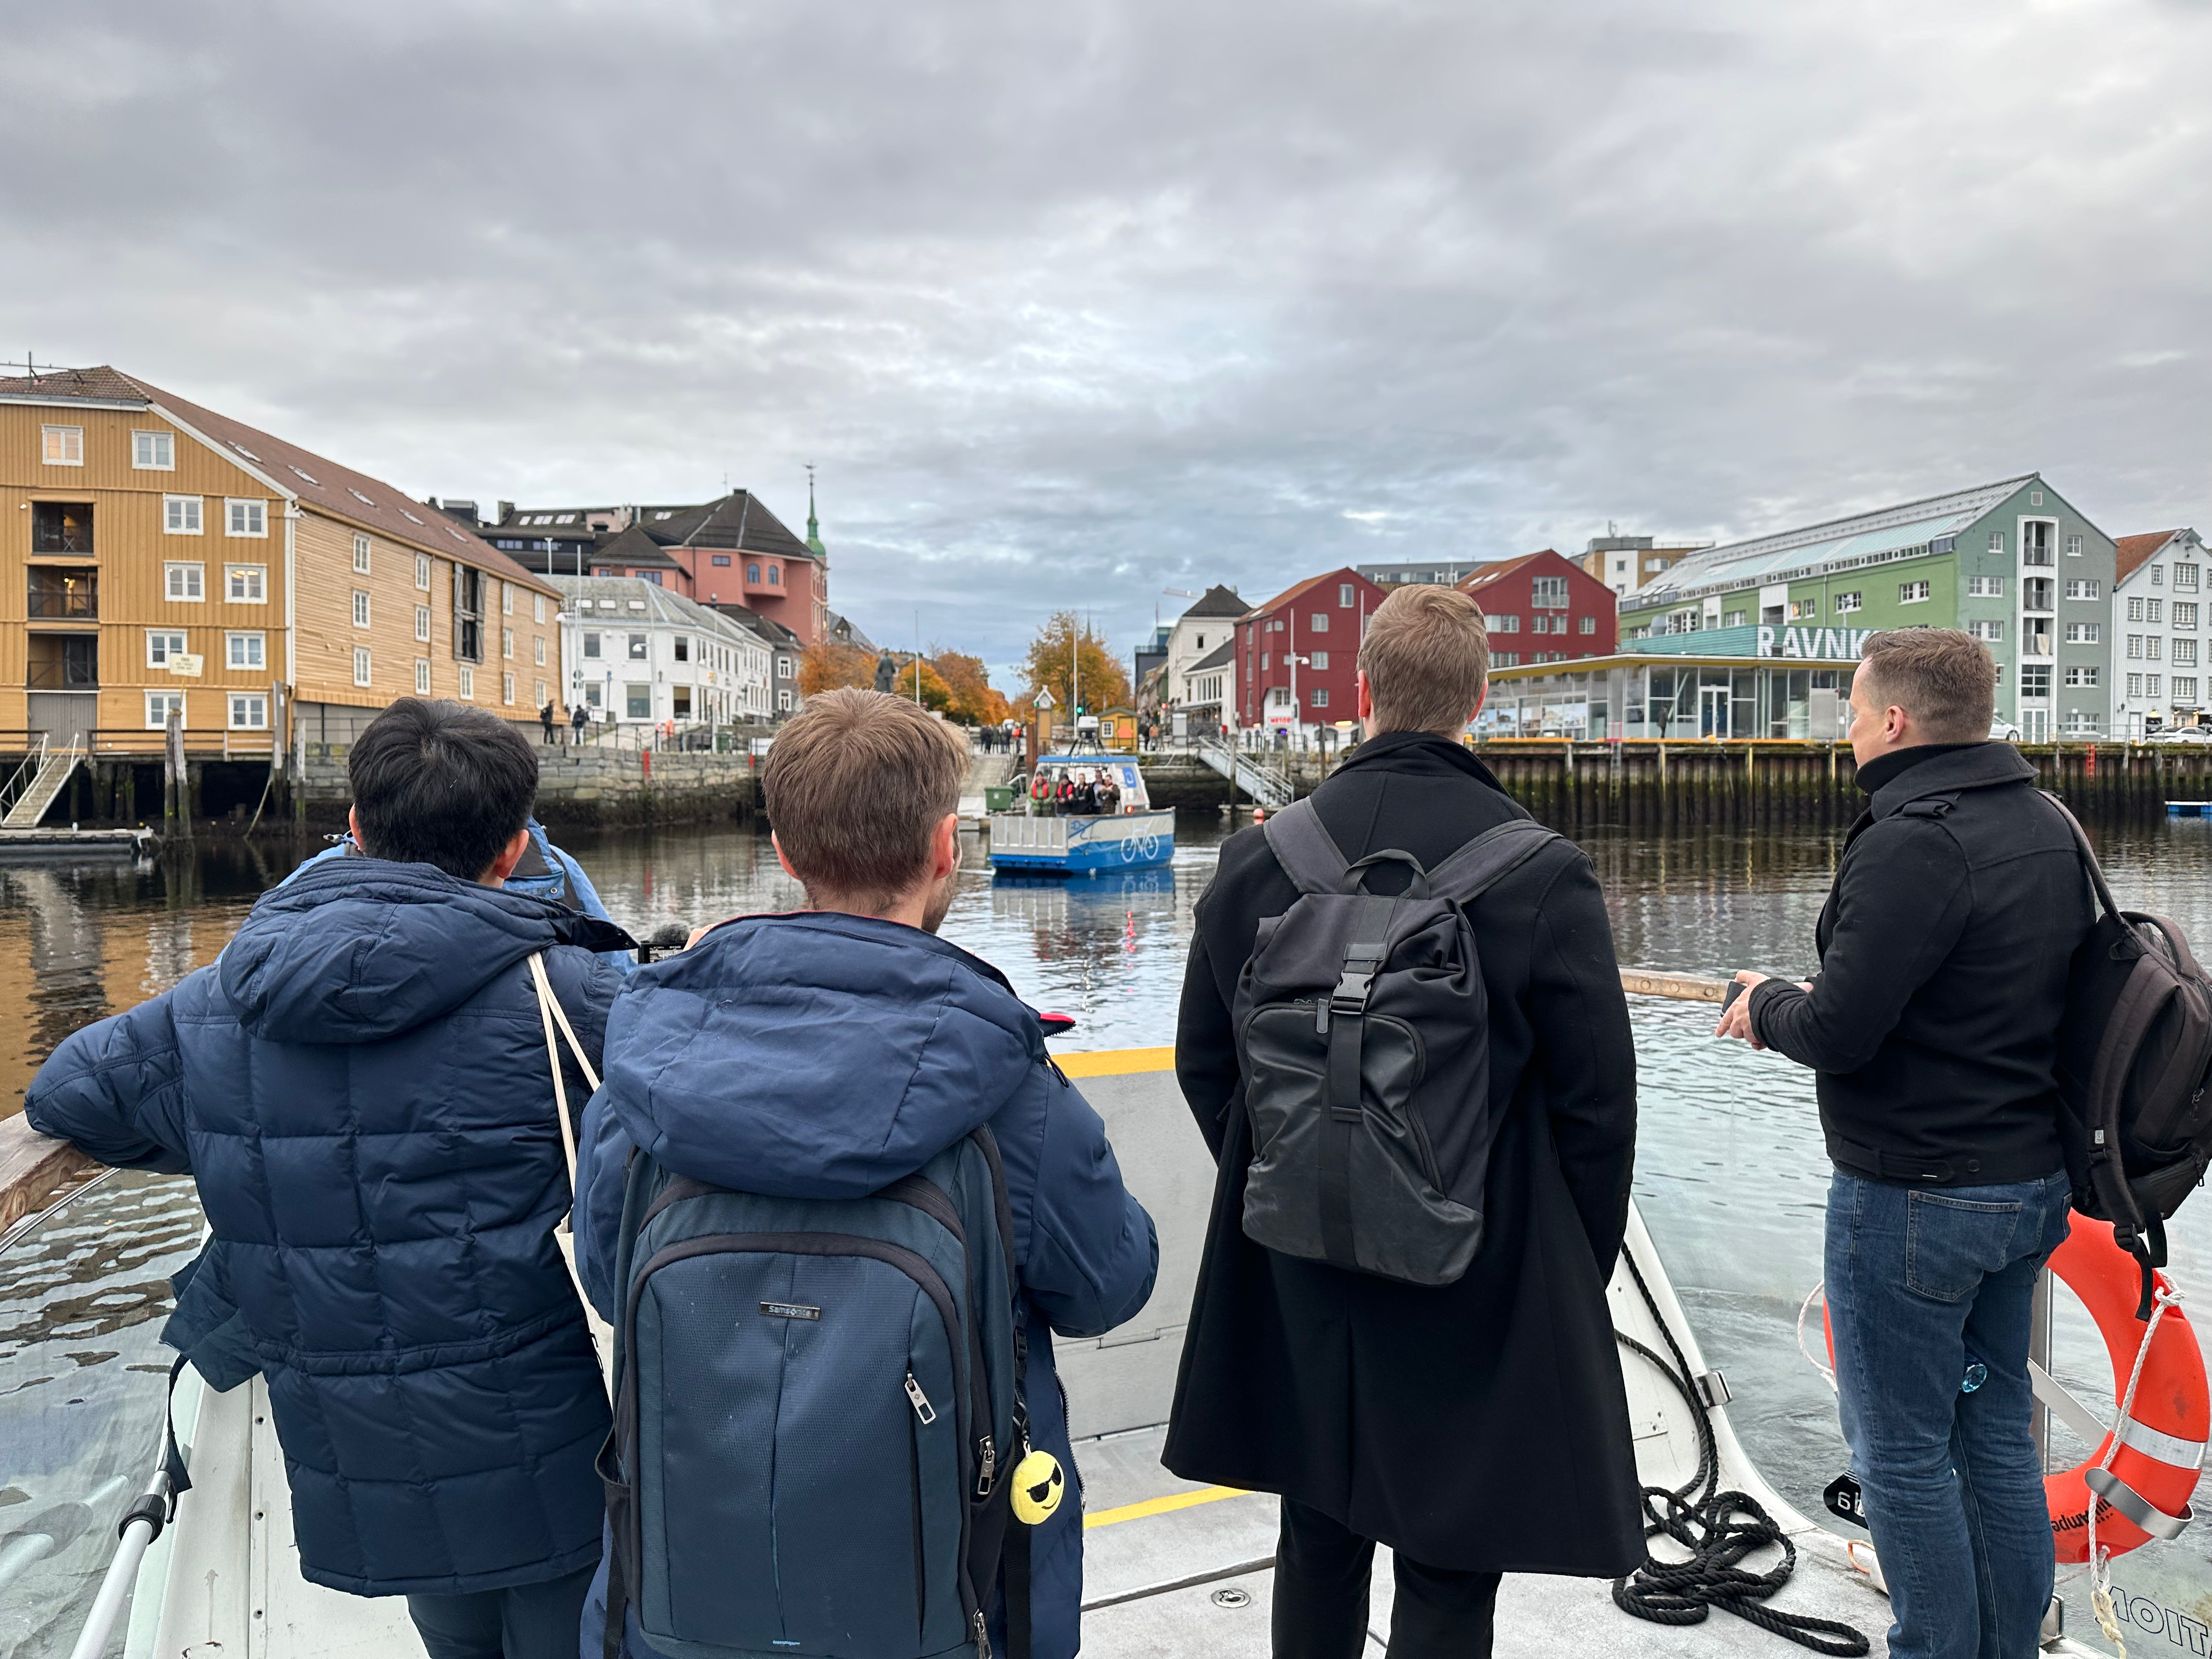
(1363,1031)
(2134,1054)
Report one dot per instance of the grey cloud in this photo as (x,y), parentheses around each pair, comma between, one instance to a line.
(1073,302)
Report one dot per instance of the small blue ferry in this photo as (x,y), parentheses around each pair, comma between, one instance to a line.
(1041,837)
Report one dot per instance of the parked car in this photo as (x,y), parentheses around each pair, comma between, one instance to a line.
(2002,728)
(2182,734)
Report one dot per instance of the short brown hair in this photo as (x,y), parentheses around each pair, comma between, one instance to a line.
(855,784)
(1426,657)
(1944,678)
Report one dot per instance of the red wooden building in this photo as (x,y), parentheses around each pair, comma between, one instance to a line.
(1296,655)
(1543,608)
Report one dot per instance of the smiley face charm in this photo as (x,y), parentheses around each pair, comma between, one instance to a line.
(1038,1484)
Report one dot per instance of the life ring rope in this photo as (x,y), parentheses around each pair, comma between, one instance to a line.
(2112,1491)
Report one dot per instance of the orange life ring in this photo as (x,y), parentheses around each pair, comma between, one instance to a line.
(2166,1431)
(2162,1447)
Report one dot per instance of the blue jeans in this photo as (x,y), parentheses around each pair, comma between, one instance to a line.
(1923,1284)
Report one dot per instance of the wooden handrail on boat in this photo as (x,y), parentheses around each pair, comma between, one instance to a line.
(35,1168)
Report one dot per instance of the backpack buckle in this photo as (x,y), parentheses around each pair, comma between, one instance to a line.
(1350,996)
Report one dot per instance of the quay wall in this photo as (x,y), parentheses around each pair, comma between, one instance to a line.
(1745,785)
(589,787)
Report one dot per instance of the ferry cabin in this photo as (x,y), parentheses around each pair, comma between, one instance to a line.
(161,556)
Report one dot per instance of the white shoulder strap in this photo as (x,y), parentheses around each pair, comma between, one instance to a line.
(550,1012)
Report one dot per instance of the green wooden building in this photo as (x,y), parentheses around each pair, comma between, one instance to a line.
(2012,562)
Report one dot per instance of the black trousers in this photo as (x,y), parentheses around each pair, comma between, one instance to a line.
(523,1621)
(1322,1574)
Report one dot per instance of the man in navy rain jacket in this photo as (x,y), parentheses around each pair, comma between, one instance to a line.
(361,1089)
(826,1053)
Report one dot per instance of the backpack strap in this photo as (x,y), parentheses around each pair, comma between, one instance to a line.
(1489,859)
(1308,853)
(2110,905)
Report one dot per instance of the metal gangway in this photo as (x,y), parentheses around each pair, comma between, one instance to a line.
(1253,772)
(41,778)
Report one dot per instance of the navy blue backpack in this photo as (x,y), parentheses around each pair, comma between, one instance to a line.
(816,1413)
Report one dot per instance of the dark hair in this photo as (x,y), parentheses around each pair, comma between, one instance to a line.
(1944,678)
(856,783)
(440,783)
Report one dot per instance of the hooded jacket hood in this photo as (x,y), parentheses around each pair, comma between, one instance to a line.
(359,949)
(814,1054)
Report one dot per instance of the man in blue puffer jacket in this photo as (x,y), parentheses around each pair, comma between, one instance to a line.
(826,1053)
(362,1090)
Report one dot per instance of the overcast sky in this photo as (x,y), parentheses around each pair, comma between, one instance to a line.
(1074,302)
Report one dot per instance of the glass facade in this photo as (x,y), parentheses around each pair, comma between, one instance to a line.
(1660,700)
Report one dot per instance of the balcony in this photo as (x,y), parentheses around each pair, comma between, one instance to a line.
(61,527)
(64,662)
(64,593)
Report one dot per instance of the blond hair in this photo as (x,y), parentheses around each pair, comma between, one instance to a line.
(856,785)
(1426,657)
(1945,679)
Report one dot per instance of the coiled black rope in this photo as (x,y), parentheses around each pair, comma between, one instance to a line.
(1719,1529)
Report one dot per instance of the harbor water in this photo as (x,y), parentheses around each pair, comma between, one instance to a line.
(1730,1175)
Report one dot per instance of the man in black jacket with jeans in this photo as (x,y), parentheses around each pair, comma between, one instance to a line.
(1933,1028)
(1476,1428)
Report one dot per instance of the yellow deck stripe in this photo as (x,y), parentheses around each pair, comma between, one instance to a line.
(1117,1062)
(1169,1505)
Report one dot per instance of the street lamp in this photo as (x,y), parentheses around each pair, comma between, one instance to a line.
(1294,659)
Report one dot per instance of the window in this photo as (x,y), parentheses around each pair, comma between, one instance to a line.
(248,518)
(1912,592)
(64,446)
(2135,610)
(422,676)
(2184,653)
(2082,723)
(360,607)
(1266,660)
(538,694)
(360,555)
(246,584)
(1735,618)
(1996,541)
(162,644)
(182,584)
(1588,625)
(2073,547)
(1801,609)
(1985,587)
(1318,697)
(2185,577)
(249,711)
(2151,683)
(2184,613)
(180,515)
(2153,648)
(2035,679)
(1320,620)
(1506,624)
(422,624)
(591,645)
(774,575)
(2134,685)
(2158,575)
(2035,498)
(537,612)
(1344,596)
(1986,631)
(468,678)
(637,648)
(1548,592)
(783,668)
(360,665)
(507,598)
(2081,590)
(721,560)
(423,572)
(538,652)
(507,641)
(1320,660)
(2082,633)
(2154,610)
(245,651)
(592,695)
(506,688)
(752,573)
(468,613)
(2082,676)
(683,647)
(2035,593)
(783,702)
(1506,660)
(160,705)
(2184,688)
(1849,602)
(153,452)
(637,701)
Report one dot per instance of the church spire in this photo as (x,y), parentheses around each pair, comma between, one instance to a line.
(813,524)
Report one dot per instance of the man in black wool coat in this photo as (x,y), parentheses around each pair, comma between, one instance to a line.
(1477,1428)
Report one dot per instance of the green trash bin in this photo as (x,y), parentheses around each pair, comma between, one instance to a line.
(999,797)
